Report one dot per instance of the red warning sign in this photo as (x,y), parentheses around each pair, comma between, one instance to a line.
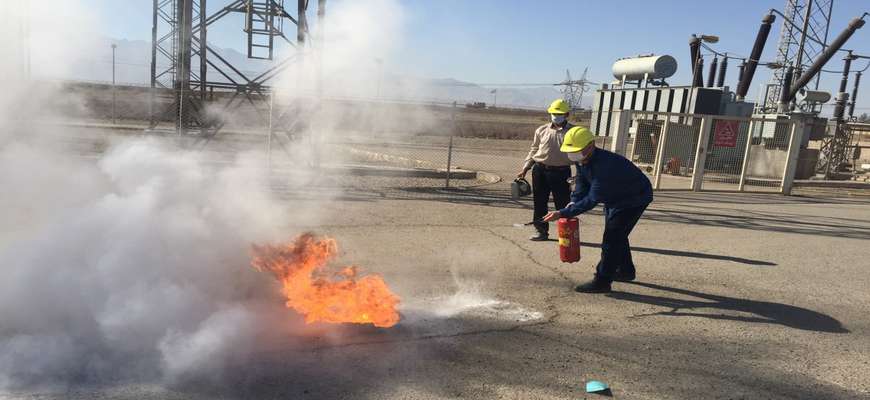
(725,133)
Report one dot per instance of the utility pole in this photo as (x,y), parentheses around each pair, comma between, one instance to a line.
(26,23)
(380,63)
(321,45)
(18,26)
(114,46)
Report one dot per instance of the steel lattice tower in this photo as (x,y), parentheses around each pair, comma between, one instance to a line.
(186,67)
(801,41)
(574,90)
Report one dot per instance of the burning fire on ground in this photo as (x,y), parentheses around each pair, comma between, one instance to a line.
(321,295)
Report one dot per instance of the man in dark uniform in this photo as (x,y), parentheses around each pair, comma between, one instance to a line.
(550,167)
(609,178)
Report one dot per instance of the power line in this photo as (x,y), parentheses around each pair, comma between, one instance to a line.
(460,84)
(433,83)
(723,55)
(738,57)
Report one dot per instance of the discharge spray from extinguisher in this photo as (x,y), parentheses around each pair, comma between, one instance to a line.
(569,239)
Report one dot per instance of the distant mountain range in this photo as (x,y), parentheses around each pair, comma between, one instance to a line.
(449,89)
(133,66)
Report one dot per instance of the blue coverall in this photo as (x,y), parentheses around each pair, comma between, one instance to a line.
(611,179)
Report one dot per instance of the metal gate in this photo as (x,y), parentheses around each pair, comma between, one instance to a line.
(710,152)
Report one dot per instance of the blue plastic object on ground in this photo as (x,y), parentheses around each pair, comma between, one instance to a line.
(595,386)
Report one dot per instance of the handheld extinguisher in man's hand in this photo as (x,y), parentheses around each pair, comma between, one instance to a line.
(569,239)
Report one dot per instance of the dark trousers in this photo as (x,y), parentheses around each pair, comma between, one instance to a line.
(615,249)
(546,181)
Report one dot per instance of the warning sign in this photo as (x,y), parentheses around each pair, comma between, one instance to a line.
(725,133)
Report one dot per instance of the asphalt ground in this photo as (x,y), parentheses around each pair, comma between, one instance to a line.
(738,296)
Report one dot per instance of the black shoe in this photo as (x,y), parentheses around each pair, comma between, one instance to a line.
(593,286)
(622,276)
(540,237)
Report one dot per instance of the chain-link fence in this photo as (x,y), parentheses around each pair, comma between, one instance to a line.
(664,147)
(765,154)
(675,166)
(737,153)
(726,154)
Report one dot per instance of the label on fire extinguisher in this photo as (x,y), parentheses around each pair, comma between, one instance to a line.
(564,242)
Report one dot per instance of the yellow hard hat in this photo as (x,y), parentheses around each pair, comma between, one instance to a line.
(576,139)
(558,107)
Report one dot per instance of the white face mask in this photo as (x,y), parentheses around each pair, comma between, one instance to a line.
(558,119)
(576,156)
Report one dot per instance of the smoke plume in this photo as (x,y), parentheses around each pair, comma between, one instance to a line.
(134,265)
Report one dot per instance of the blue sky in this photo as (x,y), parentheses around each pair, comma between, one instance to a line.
(513,41)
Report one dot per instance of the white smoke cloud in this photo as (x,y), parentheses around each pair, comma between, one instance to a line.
(150,272)
(350,56)
(207,348)
(345,58)
(40,40)
(136,265)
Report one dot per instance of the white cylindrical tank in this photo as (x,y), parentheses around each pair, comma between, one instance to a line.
(658,67)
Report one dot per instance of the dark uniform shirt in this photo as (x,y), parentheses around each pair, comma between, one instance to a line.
(611,179)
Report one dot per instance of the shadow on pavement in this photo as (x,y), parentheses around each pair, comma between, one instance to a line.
(765,312)
(685,196)
(690,254)
(499,196)
(466,357)
(495,363)
(690,210)
(771,221)
(471,196)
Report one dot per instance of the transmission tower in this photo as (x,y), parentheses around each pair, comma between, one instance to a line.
(574,90)
(801,42)
(186,68)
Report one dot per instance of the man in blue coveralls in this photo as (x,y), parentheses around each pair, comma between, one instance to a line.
(609,178)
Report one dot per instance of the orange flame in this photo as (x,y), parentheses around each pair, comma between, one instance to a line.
(326,296)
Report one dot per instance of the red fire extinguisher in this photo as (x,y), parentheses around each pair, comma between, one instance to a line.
(569,239)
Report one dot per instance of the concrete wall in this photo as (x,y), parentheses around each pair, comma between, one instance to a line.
(766,163)
(806,165)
